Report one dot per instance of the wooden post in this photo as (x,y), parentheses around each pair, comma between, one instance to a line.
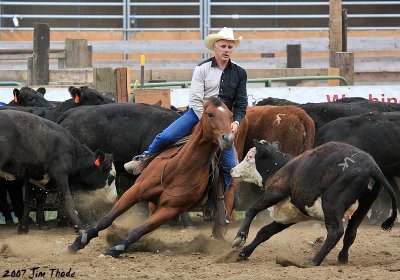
(104,80)
(333,72)
(344,30)
(123,84)
(345,61)
(40,62)
(77,53)
(335,30)
(113,81)
(293,59)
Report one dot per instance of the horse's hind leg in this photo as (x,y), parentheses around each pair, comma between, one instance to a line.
(160,217)
(127,200)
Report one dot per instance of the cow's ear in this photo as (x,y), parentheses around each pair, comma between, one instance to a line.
(99,157)
(276,145)
(16,95)
(42,90)
(75,93)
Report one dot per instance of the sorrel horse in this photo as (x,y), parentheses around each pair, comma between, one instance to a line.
(175,183)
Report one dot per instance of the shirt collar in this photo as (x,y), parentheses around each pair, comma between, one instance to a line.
(214,63)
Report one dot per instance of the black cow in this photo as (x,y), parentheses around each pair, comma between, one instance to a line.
(51,111)
(35,148)
(29,97)
(325,112)
(331,182)
(376,133)
(121,129)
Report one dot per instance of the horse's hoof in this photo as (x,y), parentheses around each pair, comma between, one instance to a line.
(67,251)
(239,241)
(113,252)
(242,257)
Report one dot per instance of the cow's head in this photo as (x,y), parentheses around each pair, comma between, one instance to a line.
(96,175)
(29,97)
(260,163)
(88,96)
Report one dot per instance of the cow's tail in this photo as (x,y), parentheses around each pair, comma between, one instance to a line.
(378,176)
(309,127)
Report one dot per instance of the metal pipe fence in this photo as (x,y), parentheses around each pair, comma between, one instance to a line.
(203,16)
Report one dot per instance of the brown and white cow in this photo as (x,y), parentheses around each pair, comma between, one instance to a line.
(290,125)
(331,182)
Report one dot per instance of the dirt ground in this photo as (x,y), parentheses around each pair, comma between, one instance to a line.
(178,253)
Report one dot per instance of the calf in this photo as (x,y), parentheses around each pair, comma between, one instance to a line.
(330,182)
(35,148)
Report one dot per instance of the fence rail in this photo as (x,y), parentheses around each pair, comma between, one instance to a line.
(202,15)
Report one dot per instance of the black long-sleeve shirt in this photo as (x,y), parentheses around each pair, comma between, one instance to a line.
(228,84)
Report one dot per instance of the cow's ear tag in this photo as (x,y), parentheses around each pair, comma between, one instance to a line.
(97,162)
(77,99)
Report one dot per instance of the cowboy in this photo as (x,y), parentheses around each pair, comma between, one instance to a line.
(217,76)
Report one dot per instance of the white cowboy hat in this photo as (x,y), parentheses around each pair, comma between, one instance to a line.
(225,34)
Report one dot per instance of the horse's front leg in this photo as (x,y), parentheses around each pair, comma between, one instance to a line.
(160,217)
(126,201)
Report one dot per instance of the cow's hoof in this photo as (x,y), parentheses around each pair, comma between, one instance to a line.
(22,229)
(242,257)
(43,227)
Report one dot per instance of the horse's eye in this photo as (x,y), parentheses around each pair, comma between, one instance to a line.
(210,114)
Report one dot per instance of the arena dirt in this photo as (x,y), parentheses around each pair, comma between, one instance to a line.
(178,253)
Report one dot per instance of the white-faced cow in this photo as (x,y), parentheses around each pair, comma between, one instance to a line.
(331,182)
(35,148)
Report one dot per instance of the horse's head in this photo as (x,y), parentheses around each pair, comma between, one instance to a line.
(217,119)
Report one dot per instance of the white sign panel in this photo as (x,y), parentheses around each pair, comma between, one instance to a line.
(52,94)
(387,93)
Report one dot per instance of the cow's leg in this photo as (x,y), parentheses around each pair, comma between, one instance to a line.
(267,200)
(126,201)
(60,179)
(16,192)
(41,197)
(23,226)
(187,220)
(160,217)
(365,203)
(262,235)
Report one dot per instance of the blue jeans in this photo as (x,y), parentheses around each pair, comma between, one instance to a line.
(183,127)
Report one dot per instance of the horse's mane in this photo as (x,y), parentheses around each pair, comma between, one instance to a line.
(216,101)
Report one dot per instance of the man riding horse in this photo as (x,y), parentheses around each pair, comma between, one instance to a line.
(217,76)
(175,181)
